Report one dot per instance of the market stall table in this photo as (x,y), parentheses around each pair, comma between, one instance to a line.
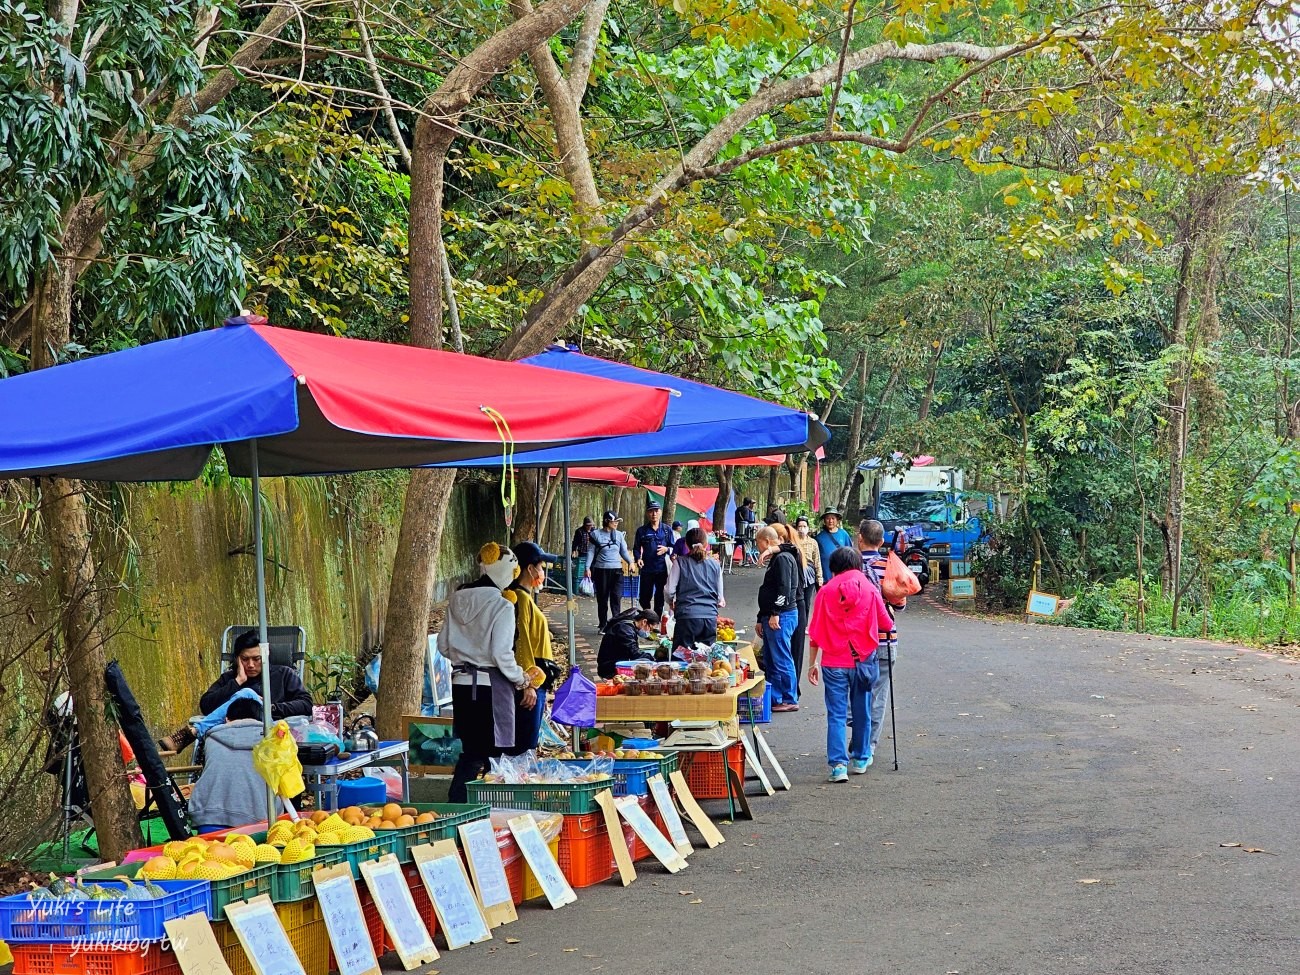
(677,707)
(323,780)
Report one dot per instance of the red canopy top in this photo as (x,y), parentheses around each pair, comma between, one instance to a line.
(599,475)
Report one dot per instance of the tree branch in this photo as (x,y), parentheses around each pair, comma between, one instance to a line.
(584,49)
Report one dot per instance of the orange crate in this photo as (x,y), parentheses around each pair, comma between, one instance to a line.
(72,959)
(374,926)
(423,903)
(706,772)
(585,855)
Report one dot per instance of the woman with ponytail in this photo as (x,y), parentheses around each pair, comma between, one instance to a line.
(695,593)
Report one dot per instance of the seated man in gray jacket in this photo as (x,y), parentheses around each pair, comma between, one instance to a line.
(229,791)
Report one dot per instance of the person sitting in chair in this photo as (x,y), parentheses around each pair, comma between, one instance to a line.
(288,696)
(229,791)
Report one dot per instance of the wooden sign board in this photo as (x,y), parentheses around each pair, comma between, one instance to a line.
(712,835)
(459,914)
(961,588)
(392,896)
(262,936)
(479,841)
(539,858)
(344,921)
(195,945)
(1041,604)
(617,841)
(642,825)
(671,817)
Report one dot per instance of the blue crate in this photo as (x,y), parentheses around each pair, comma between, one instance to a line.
(631,587)
(631,775)
(24,920)
(759,707)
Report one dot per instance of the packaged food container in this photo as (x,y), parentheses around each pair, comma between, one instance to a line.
(675,686)
(654,686)
(632,688)
(698,685)
(719,685)
(536,676)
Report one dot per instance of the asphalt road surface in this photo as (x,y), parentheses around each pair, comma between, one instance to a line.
(1067,803)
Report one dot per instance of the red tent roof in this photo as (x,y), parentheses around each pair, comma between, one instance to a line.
(599,475)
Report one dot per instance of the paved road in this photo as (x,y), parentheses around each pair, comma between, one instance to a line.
(1060,809)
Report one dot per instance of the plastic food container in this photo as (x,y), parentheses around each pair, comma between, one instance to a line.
(675,686)
(632,688)
(699,685)
(719,685)
(654,686)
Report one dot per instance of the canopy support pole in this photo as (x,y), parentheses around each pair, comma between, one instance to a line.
(264,644)
(569,605)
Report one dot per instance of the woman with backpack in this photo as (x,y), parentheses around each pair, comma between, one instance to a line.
(848,618)
(695,593)
(605,557)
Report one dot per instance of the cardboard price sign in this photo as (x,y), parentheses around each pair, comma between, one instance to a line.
(337,893)
(392,896)
(458,910)
(479,841)
(262,936)
(196,946)
(544,867)
(671,817)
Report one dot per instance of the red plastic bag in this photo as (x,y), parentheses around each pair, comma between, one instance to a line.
(898,581)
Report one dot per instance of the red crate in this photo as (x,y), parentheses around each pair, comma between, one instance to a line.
(585,854)
(706,772)
(73,959)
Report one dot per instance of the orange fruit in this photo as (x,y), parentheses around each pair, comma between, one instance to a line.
(386,824)
(374,822)
(405,820)
(318,816)
(391,811)
(425,817)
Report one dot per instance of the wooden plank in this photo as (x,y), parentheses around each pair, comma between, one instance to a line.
(766,749)
(712,835)
(674,707)
(751,759)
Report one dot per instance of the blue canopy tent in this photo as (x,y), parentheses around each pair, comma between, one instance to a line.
(703,424)
(282,401)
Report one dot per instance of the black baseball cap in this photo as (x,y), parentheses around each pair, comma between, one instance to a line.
(530,553)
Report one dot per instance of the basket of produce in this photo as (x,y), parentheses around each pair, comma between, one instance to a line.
(546,785)
(235,867)
(103,914)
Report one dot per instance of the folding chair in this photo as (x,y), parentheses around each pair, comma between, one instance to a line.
(288,645)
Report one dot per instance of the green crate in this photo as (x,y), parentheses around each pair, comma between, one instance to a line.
(572,798)
(668,765)
(450,815)
(241,887)
(383,842)
(292,881)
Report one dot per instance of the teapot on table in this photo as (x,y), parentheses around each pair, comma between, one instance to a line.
(364,736)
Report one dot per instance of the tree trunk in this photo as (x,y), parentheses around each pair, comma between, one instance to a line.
(725,473)
(548,502)
(410,598)
(526,515)
(1176,431)
(67,526)
(927,398)
(670,493)
(851,500)
(773,482)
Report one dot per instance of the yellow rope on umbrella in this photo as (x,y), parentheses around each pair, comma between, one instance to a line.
(507,463)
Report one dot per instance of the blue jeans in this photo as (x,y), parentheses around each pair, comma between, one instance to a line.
(778,663)
(880,689)
(848,689)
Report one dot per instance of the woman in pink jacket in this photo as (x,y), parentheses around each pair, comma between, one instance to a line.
(848,616)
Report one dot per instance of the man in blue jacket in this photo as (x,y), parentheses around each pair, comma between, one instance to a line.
(651,547)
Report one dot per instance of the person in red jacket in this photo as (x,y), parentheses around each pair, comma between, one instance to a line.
(848,617)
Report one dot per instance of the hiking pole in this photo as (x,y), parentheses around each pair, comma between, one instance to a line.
(893,720)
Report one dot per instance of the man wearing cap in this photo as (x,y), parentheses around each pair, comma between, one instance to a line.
(582,539)
(651,546)
(831,536)
(605,557)
(532,639)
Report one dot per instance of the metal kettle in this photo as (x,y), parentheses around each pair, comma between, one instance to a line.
(364,736)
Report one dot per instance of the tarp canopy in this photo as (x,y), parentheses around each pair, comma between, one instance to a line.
(758,460)
(704,423)
(697,503)
(875,463)
(315,404)
(599,475)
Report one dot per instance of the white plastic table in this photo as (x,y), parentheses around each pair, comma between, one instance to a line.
(323,780)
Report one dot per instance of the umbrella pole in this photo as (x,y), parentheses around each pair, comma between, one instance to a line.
(264,645)
(569,605)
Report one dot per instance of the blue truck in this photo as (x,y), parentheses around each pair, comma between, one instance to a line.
(939,521)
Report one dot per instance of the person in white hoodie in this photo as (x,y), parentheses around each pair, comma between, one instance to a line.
(487,684)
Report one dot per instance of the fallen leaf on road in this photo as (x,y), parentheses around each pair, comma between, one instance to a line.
(1088,880)
(748,844)
(1252,849)
(686,893)
(512,941)
(696,901)
(570,949)
(1229,844)
(886,844)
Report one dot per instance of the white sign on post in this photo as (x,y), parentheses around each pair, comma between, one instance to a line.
(479,841)
(539,858)
(672,818)
(262,936)
(636,817)
(392,896)
(458,910)
(350,938)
